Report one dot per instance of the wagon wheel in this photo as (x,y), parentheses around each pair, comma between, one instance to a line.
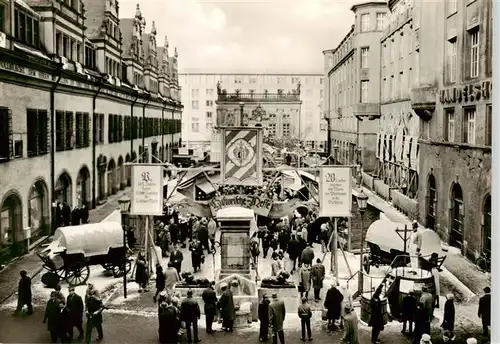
(366,264)
(118,269)
(77,275)
(61,273)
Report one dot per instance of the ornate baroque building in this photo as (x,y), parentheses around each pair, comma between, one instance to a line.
(83,92)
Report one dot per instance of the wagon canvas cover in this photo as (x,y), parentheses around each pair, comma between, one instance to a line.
(383,234)
(91,239)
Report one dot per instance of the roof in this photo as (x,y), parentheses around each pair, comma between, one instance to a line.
(367,4)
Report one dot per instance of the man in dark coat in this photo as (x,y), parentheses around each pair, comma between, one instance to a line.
(24,293)
(266,241)
(59,216)
(422,323)
(160,281)
(66,214)
(94,317)
(277,313)
(74,303)
(84,213)
(75,216)
(190,313)
(307,255)
(210,299)
(264,319)
(294,251)
(176,258)
(333,303)
(141,272)
(318,273)
(484,310)
(408,308)
(284,239)
(376,321)
(196,249)
(63,323)
(449,315)
(169,321)
(173,228)
(52,316)
(226,308)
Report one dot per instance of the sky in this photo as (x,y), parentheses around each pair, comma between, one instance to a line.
(280,36)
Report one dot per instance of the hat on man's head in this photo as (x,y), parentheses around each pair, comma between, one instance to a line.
(348,309)
(223,285)
(471,340)
(53,293)
(487,290)
(189,292)
(275,296)
(426,338)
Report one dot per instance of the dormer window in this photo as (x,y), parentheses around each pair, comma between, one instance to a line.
(26,28)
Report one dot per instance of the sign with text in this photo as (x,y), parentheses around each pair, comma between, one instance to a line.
(147,190)
(335,191)
(261,205)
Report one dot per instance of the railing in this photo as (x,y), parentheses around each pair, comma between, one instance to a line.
(258,97)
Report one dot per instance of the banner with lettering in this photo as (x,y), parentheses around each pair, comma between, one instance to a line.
(261,205)
(413,153)
(378,146)
(335,195)
(147,190)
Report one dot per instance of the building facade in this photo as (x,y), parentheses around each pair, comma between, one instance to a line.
(453,102)
(352,74)
(81,96)
(200,95)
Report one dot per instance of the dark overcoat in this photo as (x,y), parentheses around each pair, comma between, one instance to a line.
(226,305)
(210,299)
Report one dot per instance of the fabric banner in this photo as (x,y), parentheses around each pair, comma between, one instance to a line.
(413,153)
(259,204)
(398,147)
(147,190)
(242,157)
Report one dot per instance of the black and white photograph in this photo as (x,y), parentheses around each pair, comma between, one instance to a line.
(258,171)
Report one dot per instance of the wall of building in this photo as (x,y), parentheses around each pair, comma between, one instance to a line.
(201,90)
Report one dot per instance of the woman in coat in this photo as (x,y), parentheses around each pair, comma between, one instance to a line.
(305,280)
(351,326)
(376,321)
(449,315)
(141,272)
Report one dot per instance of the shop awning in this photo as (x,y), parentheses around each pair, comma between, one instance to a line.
(206,187)
(31,51)
(188,206)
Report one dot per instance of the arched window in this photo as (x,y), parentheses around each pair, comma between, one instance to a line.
(430,220)
(63,189)
(487,226)
(456,217)
(38,210)
(11,226)
(111,174)
(83,186)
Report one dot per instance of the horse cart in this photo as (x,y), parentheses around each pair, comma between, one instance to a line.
(75,248)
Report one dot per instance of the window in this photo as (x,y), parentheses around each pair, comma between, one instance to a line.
(321,93)
(195,93)
(321,80)
(364,91)
(380,21)
(489,126)
(6,148)
(195,127)
(474,53)
(253,79)
(452,60)
(64,130)
(450,125)
(99,135)
(37,125)
(209,114)
(210,92)
(238,79)
(452,6)
(364,57)
(469,126)
(209,103)
(2,17)
(272,129)
(295,80)
(208,126)
(26,27)
(365,22)
(286,129)
(194,104)
(90,57)
(279,79)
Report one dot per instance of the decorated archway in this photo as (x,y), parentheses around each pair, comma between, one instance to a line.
(83,186)
(456,216)
(64,189)
(38,209)
(111,176)
(11,225)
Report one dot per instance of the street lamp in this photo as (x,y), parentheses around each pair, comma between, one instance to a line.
(335,150)
(362,200)
(241,113)
(124,203)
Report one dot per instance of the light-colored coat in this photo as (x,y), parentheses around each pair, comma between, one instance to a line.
(277,314)
(305,278)
(351,328)
(171,278)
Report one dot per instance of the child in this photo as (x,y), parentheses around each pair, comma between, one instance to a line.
(305,315)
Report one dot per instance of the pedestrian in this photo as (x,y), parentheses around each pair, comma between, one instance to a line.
(428,301)
(66,214)
(305,280)
(448,337)
(75,216)
(333,303)
(203,235)
(294,252)
(226,308)
(323,237)
(435,270)
(171,278)
(196,249)
(169,321)
(351,326)
(305,315)
(212,229)
(275,266)
(422,323)
(91,290)
(264,319)
(159,281)
(376,321)
(24,294)
(84,212)
(484,310)
(176,257)
(266,242)
(277,313)
(254,249)
(165,240)
(51,316)
(408,309)
(210,306)
(415,246)
(426,339)
(318,273)
(74,303)
(141,272)
(94,317)
(173,230)
(449,315)
(60,295)
(283,239)
(307,255)
(63,323)
(190,313)
(346,301)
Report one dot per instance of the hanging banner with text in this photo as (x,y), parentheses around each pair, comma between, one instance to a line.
(261,205)
(335,191)
(147,190)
